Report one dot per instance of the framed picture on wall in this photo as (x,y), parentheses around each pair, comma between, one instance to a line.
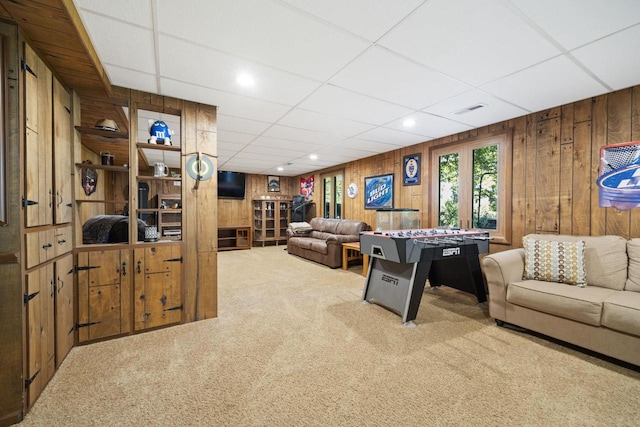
(378,192)
(411,169)
(273,182)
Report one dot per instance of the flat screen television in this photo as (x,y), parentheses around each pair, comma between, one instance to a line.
(231,185)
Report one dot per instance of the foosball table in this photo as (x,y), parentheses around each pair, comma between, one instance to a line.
(401,261)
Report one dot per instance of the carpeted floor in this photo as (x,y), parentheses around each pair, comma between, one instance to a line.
(294,346)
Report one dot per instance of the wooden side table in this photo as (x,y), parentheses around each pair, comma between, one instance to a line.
(351,251)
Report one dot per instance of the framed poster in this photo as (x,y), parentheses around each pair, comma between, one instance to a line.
(273,182)
(411,169)
(378,192)
(306,187)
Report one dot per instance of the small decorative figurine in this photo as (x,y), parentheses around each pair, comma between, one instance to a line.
(159,132)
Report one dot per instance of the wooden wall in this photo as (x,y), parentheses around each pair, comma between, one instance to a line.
(555,165)
(234,213)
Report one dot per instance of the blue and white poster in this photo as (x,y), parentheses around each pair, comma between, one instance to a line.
(378,192)
(619,180)
(411,169)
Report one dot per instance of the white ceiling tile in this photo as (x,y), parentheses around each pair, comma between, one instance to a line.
(133,12)
(230,145)
(289,152)
(392,136)
(266,141)
(494,109)
(238,124)
(217,70)
(239,137)
(429,125)
(590,20)
(552,83)
(339,102)
(263,31)
(368,145)
(132,79)
(340,151)
(228,103)
(621,68)
(363,17)
(473,41)
(382,74)
(285,132)
(112,40)
(311,120)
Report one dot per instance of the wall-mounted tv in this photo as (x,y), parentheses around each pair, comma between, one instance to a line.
(231,185)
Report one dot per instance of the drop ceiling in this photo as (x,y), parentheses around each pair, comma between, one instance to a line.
(338,78)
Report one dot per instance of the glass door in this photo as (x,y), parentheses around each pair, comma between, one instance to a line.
(332,195)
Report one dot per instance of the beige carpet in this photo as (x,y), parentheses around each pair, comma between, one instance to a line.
(294,346)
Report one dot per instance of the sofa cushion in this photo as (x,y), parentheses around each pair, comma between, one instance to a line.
(349,226)
(554,261)
(320,235)
(633,251)
(621,312)
(605,258)
(328,225)
(309,243)
(571,302)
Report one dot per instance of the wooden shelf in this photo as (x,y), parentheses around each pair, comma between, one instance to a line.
(234,238)
(157,146)
(157,178)
(103,167)
(122,202)
(103,133)
(151,210)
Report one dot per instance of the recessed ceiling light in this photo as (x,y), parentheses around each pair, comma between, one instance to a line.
(245,79)
(313,156)
(280,168)
(409,123)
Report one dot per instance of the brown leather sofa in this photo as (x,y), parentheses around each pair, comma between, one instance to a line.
(323,243)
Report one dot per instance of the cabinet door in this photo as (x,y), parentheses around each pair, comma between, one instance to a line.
(103,289)
(64,307)
(62,153)
(38,141)
(40,331)
(158,296)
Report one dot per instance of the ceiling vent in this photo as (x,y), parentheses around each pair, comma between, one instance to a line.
(469,109)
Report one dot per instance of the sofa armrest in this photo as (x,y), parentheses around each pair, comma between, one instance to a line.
(291,233)
(500,269)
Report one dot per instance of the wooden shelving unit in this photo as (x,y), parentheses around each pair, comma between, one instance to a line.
(234,238)
(270,220)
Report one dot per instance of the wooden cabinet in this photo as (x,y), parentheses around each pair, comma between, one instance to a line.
(38,193)
(104,286)
(158,296)
(270,220)
(63,196)
(65,326)
(234,238)
(39,301)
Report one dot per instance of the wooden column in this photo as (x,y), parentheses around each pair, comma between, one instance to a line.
(200,218)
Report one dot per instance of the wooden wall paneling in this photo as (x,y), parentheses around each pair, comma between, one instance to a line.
(11,291)
(598,139)
(566,186)
(618,131)
(582,110)
(566,124)
(518,179)
(583,179)
(530,176)
(635,136)
(547,181)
